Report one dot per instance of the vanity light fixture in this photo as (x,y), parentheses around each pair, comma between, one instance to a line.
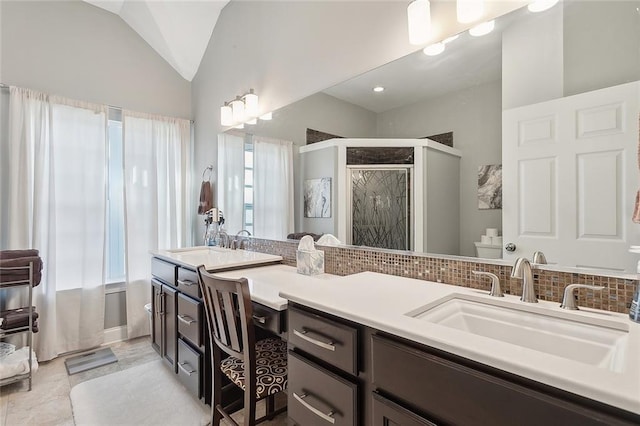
(419,19)
(482,29)
(266,117)
(541,5)
(433,49)
(242,109)
(378,89)
(469,10)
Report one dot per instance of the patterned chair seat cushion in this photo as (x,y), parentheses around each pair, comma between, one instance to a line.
(271,367)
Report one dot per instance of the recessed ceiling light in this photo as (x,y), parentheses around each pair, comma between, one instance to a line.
(378,89)
(433,49)
(450,39)
(541,5)
(482,29)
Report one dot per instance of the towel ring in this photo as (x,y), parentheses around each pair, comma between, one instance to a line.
(207,169)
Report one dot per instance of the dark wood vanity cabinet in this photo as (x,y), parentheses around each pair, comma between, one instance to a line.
(434,387)
(178,327)
(164,322)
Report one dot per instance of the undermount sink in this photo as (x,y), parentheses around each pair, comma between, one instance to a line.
(597,342)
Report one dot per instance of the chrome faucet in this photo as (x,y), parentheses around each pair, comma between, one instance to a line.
(224,239)
(241,242)
(538,257)
(522,270)
(569,301)
(496,291)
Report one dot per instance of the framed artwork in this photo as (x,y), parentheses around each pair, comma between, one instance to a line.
(317,197)
(490,187)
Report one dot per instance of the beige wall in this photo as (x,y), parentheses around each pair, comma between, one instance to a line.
(74,49)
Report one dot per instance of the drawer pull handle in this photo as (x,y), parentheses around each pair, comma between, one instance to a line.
(186,319)
(303,335)
(188,372)
(188,283)
(328,417)
(260,319)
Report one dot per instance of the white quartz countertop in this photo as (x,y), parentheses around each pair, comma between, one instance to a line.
(266,282)
(382,302)
(215,258)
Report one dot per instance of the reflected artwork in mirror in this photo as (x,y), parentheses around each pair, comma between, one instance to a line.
(576,52)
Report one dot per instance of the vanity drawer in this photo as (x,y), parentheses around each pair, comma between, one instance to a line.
(164,271)
(188,283)
(328,340)
(317,396)
(190,319)
(189,368)
(453,393)
(267,318)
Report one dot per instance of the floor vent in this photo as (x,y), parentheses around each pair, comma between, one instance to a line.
(89,360)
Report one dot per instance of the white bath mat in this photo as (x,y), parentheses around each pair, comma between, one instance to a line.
(145,395)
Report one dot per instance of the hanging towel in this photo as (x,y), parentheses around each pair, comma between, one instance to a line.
(206,197)
(636,211)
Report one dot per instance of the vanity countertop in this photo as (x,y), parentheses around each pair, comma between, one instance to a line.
(382,301)
(215,258)
(266,282)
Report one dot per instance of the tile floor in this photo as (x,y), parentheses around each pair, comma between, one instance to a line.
(48,402)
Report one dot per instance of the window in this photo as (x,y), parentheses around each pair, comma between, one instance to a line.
(248,187)
(115,256)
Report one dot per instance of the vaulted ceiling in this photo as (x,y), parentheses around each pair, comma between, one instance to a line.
(179,30)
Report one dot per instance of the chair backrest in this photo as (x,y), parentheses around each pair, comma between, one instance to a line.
(229,313)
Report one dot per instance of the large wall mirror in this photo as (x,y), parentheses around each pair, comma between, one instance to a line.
(576,47)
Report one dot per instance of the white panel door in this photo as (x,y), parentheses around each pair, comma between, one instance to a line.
(570,175)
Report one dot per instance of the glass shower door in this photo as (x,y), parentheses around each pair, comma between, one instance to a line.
(380,207)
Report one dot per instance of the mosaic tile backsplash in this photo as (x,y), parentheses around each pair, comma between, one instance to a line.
(549,285)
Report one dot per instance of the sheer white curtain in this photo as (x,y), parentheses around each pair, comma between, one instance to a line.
(57,199)
(273,188)
(157,161)
(231,180)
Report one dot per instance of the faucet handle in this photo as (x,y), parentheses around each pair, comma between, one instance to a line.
(539,258)
(496,290)
(569,301)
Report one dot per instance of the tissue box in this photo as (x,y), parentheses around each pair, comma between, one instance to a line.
(310,262)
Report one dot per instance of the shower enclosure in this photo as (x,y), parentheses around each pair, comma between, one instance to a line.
(380,211)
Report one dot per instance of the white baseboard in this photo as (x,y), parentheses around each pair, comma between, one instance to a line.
(115,334)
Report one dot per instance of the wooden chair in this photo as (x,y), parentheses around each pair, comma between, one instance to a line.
(258,368)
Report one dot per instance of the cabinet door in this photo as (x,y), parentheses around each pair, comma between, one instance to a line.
(156,317)
(170,323)
(388,413)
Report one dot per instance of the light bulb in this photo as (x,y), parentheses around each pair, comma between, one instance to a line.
(469,10)
(238,110)
(434,49)
(226,115)
(419,19)
(251,104)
